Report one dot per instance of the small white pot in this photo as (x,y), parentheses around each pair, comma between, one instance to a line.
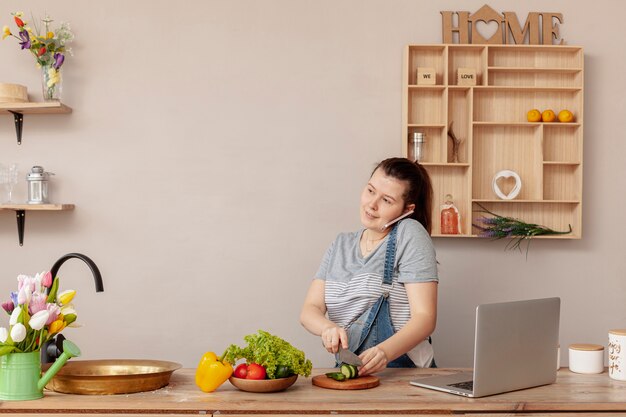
(586,358)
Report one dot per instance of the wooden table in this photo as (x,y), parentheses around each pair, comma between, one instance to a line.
(572,395)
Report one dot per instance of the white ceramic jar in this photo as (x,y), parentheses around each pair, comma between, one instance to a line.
(617,354)
(585,358)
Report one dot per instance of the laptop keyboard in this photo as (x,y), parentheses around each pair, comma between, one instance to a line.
(468,385)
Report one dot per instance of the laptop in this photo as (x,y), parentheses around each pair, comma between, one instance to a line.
(515,347)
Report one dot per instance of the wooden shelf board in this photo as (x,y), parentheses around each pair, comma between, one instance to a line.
(536,48)
(480,200)
(558,124)
(432,46)
(426,87)
(561,163)
(526,88)
(568,236)
(425,125)
(535,69)
(51,107)
(513,124)
(37,207)
(462,235)
(466,47)
(526,124)
(444,164)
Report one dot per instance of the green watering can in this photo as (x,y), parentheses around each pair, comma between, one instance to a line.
(20,373)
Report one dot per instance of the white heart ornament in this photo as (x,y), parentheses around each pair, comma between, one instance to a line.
(516,188)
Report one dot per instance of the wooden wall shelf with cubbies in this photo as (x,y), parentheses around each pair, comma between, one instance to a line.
(490,118)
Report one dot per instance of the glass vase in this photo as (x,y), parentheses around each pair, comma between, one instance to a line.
(51,83)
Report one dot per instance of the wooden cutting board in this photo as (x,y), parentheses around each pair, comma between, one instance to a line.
(362,382)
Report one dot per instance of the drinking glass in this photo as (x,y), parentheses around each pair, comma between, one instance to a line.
(3,179)
(9,176)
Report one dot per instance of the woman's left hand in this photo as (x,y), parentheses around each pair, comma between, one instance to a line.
(374,360)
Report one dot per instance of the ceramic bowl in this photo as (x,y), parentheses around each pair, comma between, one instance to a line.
(263,385)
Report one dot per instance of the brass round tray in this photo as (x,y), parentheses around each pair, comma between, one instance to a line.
(112,376)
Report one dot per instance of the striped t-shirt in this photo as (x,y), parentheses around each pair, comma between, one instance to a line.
(354,283)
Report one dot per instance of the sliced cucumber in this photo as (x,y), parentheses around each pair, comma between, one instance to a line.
(345,369)
(337,376)
(350,371)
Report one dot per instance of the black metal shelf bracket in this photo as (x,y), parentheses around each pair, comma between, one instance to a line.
(21,220)
(19,124)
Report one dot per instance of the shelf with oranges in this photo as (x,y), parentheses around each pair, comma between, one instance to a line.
(490,118)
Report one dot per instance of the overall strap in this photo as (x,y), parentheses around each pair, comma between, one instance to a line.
(390,255)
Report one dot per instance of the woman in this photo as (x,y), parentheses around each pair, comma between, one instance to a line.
(379,284)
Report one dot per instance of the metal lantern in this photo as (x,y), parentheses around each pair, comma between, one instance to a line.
(37,180)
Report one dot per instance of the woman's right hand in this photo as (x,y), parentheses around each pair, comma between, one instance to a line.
(333,337)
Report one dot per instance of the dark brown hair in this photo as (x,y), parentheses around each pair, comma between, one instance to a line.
(420,189)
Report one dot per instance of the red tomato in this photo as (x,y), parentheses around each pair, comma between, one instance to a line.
(241,371)
(256,371)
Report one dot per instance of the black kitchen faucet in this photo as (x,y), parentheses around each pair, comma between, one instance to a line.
(53,348)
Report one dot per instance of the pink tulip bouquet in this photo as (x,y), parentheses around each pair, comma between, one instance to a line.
(35,316)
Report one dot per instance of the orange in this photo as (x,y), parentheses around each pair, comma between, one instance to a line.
(548,116)
(566,116)
(533,115)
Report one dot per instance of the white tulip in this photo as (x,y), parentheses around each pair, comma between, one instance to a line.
(67,310)
(15,315)
(21,280)
(4,334)
(18,333)
(23,296)
(38,279)
(39,319)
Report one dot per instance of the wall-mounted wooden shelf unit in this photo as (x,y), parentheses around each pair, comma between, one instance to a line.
(21,209)
(490,118)
(18,110)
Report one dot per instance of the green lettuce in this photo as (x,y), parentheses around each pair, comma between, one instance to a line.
(270,352)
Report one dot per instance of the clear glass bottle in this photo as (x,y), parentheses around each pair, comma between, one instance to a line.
(417,139)
(450,217)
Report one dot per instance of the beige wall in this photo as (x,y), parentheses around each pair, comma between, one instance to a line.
(217,147)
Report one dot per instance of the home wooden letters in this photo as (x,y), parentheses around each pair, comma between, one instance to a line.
(539,28)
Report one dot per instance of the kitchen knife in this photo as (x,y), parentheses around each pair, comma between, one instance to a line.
(346,356)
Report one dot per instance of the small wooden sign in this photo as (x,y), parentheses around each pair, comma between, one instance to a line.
(426,76)
(466,76)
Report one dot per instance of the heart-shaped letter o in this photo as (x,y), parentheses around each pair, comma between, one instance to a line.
(516,189)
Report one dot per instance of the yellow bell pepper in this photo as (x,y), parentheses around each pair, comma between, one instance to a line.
(212,372)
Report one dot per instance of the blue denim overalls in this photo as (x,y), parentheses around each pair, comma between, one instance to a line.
(375,326)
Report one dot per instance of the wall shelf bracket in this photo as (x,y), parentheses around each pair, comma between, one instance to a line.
(21,220)
(19,124)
